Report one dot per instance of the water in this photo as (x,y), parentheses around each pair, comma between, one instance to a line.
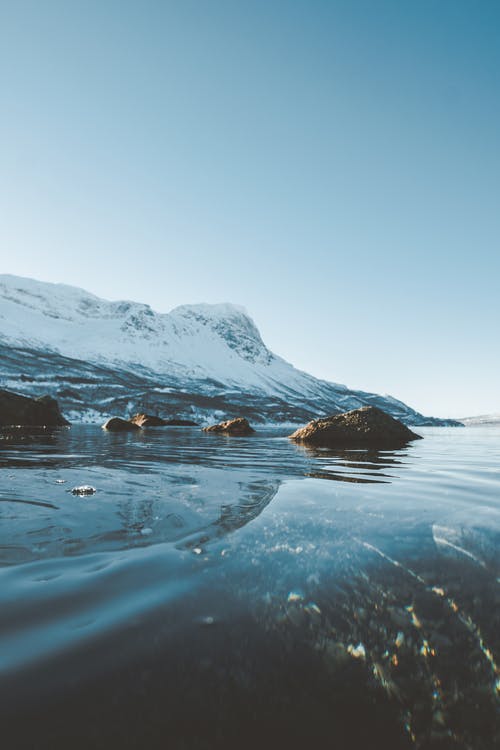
(223,592)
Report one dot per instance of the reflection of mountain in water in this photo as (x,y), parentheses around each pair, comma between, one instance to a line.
(254,498)
(174,485)
(189,603)
(43,529)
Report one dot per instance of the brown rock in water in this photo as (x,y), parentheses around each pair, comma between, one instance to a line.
(116,424)
(147,420)
(180,423)
(22,411)
(238,427)
(367,427)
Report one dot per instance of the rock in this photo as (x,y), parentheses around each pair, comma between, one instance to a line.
(180,423)
(22,411)
(116,424)
(147,420)
(237,426)
(85,489)
(367,427)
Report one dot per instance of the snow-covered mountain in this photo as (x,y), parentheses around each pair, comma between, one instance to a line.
(482,419)
(205,361)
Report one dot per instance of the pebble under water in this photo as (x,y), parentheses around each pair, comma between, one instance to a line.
(178,589)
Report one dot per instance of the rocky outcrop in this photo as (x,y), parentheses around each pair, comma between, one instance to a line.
(22,411)
(148,420)
(116,424)
(238,427)
(367,427)
(180,423)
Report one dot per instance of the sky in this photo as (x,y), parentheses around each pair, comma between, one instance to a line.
(332,166)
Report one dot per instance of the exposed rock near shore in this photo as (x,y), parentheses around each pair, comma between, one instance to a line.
(368,427)
(22,411)
(116,424)
(148,420)
(180,423)
(239,426)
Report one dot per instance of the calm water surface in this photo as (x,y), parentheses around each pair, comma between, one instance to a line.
(223,592)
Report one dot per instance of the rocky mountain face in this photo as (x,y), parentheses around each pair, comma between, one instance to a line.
(201,362)
(22,411)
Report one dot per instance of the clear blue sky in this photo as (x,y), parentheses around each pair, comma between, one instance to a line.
(333,166)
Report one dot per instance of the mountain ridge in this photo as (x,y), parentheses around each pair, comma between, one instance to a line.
(482,419)
(203,360)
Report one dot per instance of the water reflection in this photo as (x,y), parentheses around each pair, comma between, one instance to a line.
(233,516)
(175,485)
(358,466)
(268,452)
(207,589)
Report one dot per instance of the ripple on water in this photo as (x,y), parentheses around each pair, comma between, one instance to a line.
(229,575)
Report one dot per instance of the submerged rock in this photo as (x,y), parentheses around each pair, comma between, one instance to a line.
(17,410)
(239,426)
(117,424)
(366,427)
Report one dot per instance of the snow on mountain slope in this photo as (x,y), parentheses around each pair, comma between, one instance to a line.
(205,351)
(482,419)
(216,341)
